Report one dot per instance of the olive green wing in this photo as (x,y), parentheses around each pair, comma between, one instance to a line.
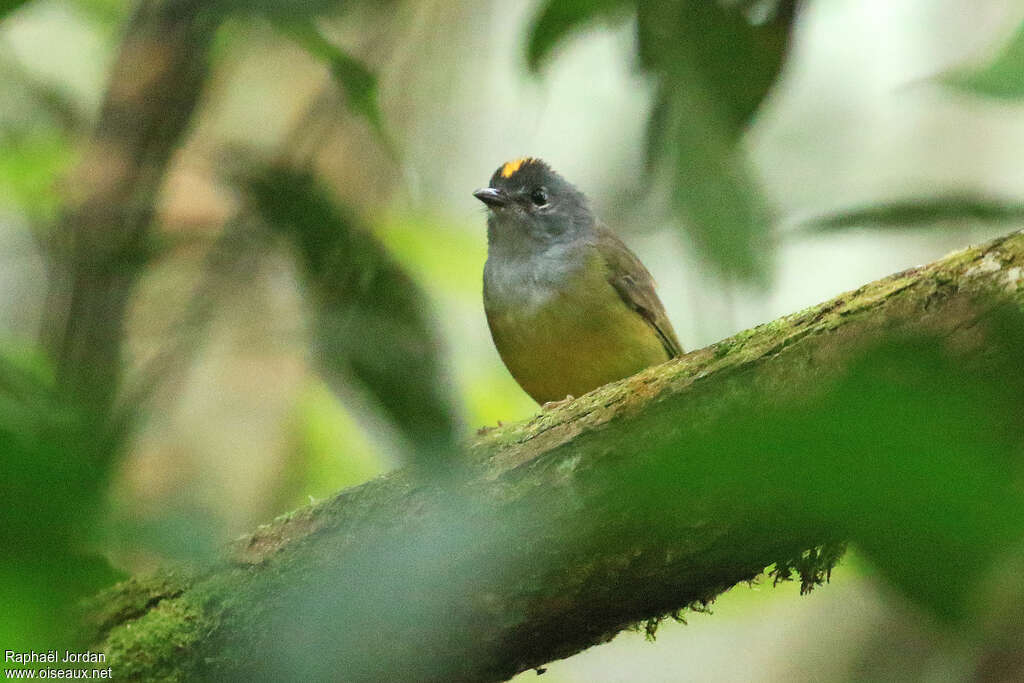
(635,285)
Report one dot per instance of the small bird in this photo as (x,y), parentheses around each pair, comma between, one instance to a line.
(570,307)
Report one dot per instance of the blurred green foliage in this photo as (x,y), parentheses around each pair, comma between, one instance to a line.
(921,212)
(1002,79)
(735,56)
(56,461)
(370,317)
(713,64)
(28,166)
(557,20)
(913,455)
(331,451)
(283,9)
(718,50)
(8,6)
(105,13)
(354,77)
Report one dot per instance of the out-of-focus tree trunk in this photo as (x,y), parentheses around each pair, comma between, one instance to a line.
(103,240)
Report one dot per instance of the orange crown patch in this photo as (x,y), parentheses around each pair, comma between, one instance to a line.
(512,166)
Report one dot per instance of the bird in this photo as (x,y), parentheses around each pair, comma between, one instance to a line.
(569,306)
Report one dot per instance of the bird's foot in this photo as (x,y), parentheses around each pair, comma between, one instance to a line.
(551,405)
(486,429)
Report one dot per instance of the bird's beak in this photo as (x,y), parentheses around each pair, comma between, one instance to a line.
(491,197)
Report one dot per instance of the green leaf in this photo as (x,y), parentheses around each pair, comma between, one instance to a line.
(57,459)
(714,66)
(355,78)
(718,48)
(107,13)
(559,18)
(714,63)
(372,329)
(9,6)
(736,55)
(709,185)
(918,212)
(1002,79)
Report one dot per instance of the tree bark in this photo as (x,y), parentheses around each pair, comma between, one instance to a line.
(550,535)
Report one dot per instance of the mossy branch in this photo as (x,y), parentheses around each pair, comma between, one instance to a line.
(558,532)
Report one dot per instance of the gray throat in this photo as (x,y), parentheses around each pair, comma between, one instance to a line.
(523,274)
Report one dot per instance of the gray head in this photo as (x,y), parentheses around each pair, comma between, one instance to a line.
(530,208)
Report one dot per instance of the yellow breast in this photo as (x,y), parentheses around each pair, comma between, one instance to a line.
(581,336)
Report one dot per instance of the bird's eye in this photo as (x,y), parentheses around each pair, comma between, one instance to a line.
(539,196)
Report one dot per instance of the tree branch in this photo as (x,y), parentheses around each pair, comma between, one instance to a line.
(561,531)
(102,242)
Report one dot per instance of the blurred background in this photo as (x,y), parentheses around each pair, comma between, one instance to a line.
(387,116)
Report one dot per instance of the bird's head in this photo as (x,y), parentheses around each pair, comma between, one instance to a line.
(528,203)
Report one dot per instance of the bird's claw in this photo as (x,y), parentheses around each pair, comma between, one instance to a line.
(550,405)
